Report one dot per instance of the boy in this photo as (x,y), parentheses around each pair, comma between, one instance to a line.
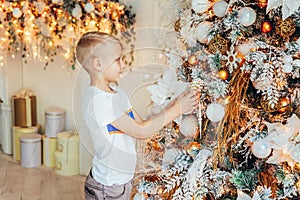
(112,123)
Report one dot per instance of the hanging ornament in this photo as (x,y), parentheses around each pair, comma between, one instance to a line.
(261,148)
(262,3)
(298,185)
(189,125)
(266,106)
(285,28)
(17,13)
(77,12)
(193,60)
(202,31)
(283,104)
(297,167)
(287,68)
(177,26)
(89,7)
(266,27)
(218,45)
(220,8)
(169,156)
(194,146)
(215,112)
(247,16)
(223,74)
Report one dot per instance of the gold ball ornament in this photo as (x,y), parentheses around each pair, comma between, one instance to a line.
(193,60)
(223,74)
(298,185)
(218,44)
(286,28)
(283,104)
(297,167)
(267,106)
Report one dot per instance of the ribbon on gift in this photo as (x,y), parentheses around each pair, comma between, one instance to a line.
(24,104)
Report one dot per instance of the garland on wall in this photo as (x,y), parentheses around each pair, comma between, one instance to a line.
(41,29)
(243,142)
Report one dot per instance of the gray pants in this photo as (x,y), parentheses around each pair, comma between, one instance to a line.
(96,191)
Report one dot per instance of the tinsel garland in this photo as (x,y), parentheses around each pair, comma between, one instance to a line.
(235,117)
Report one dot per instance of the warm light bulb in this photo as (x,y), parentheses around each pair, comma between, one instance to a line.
(223,74)
(13,55)
(266,27)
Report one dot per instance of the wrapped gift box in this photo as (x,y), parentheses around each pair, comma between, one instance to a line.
(54,121)
(5,129)
(49,147)
(31,150)
(68,145)
(17,133)
(65,167)
(24,109)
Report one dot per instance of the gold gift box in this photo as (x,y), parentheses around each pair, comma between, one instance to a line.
(24,109)
(65,167)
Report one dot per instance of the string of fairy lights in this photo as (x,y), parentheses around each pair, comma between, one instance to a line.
(43,29)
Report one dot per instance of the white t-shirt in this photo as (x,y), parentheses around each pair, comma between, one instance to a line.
(115,158)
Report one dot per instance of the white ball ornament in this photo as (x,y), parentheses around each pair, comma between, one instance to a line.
(77,12)
(261,148)
(17,13)
(169,156)
(202,31)
(89,7)
(215,112)
(247,16)
(287,68)
(288,59)
(189,125)
(220,8)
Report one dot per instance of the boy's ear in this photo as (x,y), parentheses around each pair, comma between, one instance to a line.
(96,64)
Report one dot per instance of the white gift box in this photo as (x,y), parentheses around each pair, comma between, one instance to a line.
(30,150)
(5,129)
(17,133)
(54,121)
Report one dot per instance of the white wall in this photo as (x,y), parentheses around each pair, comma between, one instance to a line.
(54,85)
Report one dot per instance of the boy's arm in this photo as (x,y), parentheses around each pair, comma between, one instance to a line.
(187,102)
(137,117)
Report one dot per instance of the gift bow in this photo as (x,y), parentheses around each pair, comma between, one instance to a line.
(23,93)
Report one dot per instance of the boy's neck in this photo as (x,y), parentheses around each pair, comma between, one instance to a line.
(105,86)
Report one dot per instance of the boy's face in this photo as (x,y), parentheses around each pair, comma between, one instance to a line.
(113,56)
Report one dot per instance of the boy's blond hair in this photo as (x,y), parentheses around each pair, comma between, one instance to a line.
(89,43)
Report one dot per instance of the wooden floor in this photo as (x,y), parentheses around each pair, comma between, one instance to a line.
(18,183)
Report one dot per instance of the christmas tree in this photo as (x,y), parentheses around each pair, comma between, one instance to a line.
(243,57)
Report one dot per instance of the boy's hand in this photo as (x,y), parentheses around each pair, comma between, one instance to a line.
(188,101)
